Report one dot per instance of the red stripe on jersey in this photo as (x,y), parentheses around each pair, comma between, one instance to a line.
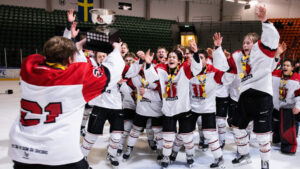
(130,84)
(277,73)
(232,65)
(187,70)
(162,66)
(218,76)
(297,93)
(126,68)
(266,50)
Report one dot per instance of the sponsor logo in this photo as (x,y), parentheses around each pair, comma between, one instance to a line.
(247,77)
(172,98)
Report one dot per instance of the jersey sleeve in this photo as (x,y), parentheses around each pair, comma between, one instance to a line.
(297,98)
(192,69)
(232,65)
(222,77)
(115,65)
(95,81)
(150,74)
(219,59)
(67,33)
(268,43)
(134,69)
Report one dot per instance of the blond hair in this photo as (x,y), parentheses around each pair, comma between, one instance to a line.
(254,37)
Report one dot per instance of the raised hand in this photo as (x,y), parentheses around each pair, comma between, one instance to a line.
(74,32)
(117,45)
(80,44)
(261,13)
(217,39)
(71,16)
(281,48)
(141,54)
(148,57)
(295,110)
(227,54)
(209,51)
(193,46)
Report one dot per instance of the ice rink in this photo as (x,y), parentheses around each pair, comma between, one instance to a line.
(142,157)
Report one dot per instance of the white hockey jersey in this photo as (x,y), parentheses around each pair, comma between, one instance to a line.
(111,97)
(52,104)
(207,103)
(150,103)
(260,65)
(290,92)
(128,96)
(177,100)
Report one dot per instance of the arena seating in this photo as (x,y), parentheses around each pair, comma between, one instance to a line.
(289,30)
(25,29)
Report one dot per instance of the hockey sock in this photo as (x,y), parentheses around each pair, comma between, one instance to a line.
(212,137)
(114,141)
(88,142)
(221,123)
(134,135)
(242,140)
(168,140)
(264,145)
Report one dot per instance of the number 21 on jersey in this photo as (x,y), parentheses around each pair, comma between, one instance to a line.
(54,109)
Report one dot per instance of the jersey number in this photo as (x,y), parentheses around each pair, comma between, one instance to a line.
(198,91)
(54,109)
(172,91)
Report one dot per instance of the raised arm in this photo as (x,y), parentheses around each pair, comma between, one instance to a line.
(196,65)
(149,71)
(115,64)
(219,58)
(270,36)
(71,18)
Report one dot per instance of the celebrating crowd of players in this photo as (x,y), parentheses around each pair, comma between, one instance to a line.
(174,90)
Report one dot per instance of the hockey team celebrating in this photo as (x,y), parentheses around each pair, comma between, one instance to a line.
(68,93)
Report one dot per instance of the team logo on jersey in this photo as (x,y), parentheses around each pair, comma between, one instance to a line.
(97,72)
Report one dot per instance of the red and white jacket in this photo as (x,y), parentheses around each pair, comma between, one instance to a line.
(150,105)
(52,105)
(261,60)
(214,76)
(291,96)
(178,96)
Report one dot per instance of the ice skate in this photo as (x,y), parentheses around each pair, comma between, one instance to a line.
(190,160)
(204,147)
(159,156)
(222,144)
(152,145)
(119,152)
(127,153)
(264,164)
(82,131)
(165,161)
(113,161)
(201,142)
(173,156)
(219,163)
(241,160)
